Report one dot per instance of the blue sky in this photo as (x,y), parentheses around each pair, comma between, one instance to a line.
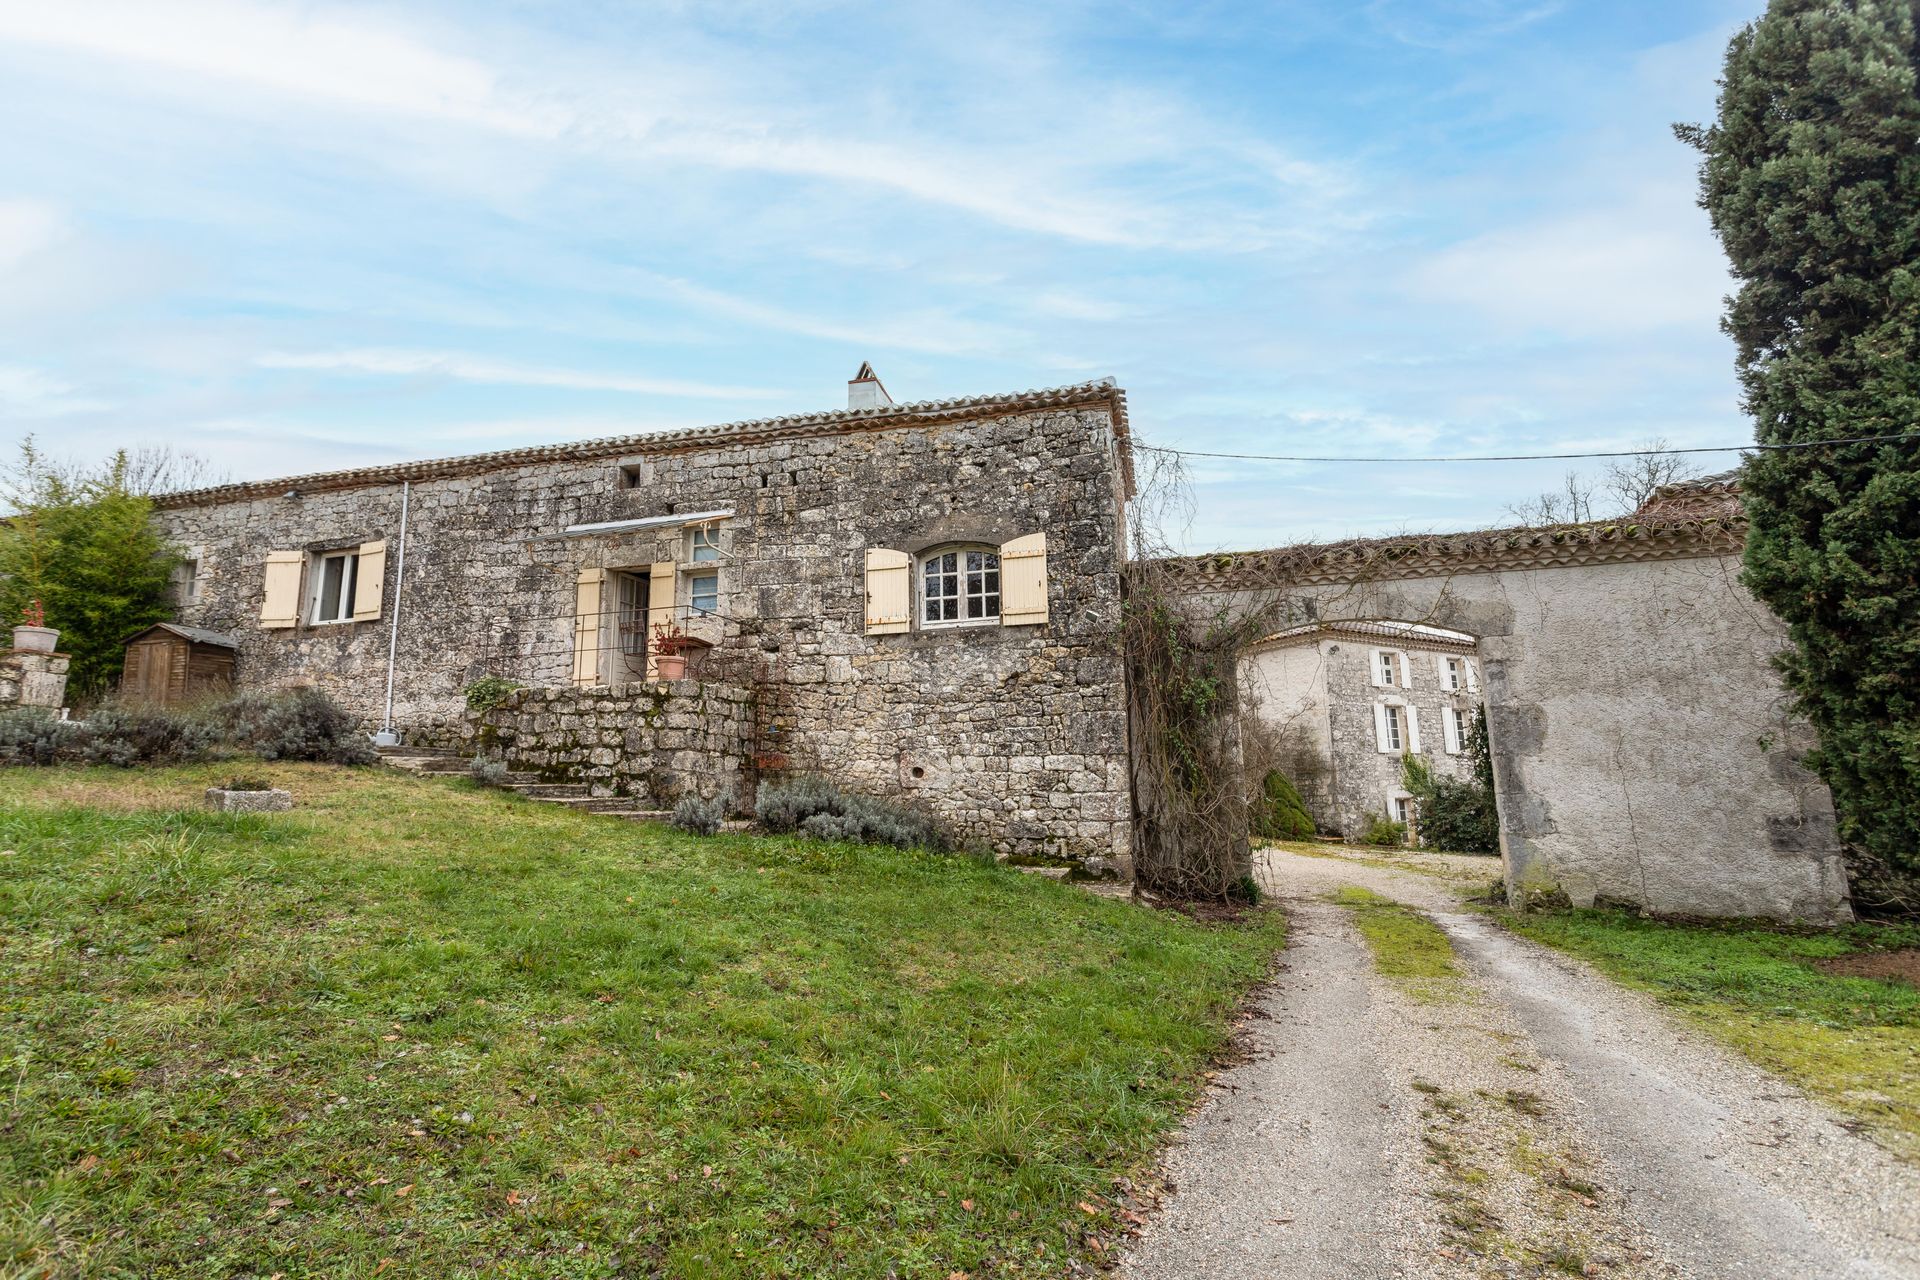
(295,236)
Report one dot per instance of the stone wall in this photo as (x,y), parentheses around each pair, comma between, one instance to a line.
(32,679)
(1015,735)
(652,742)
(1644,750)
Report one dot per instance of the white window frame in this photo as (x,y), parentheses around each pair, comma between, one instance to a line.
(1396,722)
(1457,724)
(183,581)
(703,544)
(712,593)
(349,582)
(1456,668)
(1400,810)
(960,573)
(1386,669)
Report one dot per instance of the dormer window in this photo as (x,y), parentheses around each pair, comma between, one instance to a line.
(960,585)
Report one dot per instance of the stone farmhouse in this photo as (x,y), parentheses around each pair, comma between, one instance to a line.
(914,599)
(922,600)
(1346,701)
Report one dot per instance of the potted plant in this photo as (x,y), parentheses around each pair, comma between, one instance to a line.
(670,646)
(33,633)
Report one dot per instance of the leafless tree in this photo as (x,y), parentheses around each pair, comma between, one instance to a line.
(1622,488)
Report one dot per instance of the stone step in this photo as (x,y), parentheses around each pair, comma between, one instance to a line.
(638,815)
(530,786)
(421,753)
(593,804)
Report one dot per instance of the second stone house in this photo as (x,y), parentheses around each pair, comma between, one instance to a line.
(1341,705)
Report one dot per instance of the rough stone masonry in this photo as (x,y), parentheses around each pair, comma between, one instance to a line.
(768,544)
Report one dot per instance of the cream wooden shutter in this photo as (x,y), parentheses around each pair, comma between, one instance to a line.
(1023,581)
(1451,726)
(587,594)
(369,581)
(1380,738)
(660,587)
(890,591)
(1406,671)
(1373,668)
(281,607)
(1413,729)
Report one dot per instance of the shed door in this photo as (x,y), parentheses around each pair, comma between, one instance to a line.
(148,670)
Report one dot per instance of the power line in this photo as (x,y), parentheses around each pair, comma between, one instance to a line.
(1537,457)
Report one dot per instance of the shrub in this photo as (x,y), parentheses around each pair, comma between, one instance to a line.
(1278,812)
(488,773)
(1454,815)
(298,724)
(290,724)
(31,736)
(1383,831)
(701,817)
(818,808)
(488,692)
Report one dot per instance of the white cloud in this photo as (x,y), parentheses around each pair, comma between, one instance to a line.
(290,51)
(469,368)
(1100,152)
(28,393)
(26,227)
(1643,265)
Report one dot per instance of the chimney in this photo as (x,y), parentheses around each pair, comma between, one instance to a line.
(865,391)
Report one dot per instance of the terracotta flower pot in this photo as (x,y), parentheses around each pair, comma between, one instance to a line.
(35,639)
(671,666)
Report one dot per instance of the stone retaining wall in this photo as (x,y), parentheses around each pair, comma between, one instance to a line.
(651,742)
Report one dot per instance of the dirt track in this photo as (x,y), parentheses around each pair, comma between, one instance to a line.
(1547,1123)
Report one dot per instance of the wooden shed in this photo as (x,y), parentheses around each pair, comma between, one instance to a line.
(168,664)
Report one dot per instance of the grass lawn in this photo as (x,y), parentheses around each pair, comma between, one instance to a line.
(418,1029)
(1853,1041)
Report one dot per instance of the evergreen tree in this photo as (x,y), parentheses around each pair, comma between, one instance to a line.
(1812,179)
(83,545)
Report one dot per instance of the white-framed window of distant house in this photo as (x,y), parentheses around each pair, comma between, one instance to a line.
(1389,666)
(960,586)
(1396,728)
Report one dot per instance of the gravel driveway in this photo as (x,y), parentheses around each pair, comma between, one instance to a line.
(1545,1121)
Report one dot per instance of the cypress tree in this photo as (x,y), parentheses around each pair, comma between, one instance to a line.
(1812,178)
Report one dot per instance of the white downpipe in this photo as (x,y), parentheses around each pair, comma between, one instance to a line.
(387,737)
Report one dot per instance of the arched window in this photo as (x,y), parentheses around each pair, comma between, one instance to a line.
(959,585)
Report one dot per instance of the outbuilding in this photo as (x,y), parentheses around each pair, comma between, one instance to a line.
(168,664)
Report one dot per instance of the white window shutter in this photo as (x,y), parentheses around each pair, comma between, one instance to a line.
(890,591)
(1373,669)
(660,613)
(281,606)
(1450,725)
(1440,669)
(1406,671)
(1413,729)
(1380,727)
(1023,581)
(369,581)
(586,626)
(1473,677)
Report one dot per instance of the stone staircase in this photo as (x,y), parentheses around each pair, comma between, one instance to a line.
(434,762)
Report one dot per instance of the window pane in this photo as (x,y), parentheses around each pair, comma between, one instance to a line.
(353,580)
(706,592)
(330,571)
(706,545)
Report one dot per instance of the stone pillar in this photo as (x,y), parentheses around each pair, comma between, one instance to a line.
(32,679)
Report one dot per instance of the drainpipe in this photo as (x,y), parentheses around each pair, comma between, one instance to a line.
(387,737)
